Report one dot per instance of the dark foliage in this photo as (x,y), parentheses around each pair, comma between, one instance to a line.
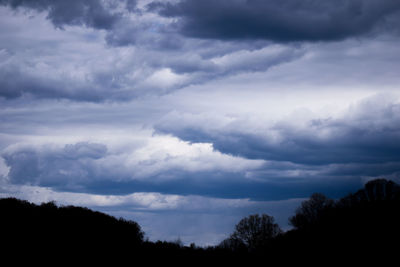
(361,228)
(50,229)
(48,233)
(252,233)
(311,211)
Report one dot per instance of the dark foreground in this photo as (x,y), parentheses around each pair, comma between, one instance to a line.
(362,228)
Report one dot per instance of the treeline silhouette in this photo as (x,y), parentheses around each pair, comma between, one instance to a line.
(363,227)
(359,228)
(47,229)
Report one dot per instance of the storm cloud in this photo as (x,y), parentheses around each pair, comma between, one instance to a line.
(188,115)
(282,21)
(164,163)
(90,13)
(50,166)
(368,133)
(53,66)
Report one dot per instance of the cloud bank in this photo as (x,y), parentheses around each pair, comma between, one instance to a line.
(162,162)
(366,133)
(189,115)
(281,21)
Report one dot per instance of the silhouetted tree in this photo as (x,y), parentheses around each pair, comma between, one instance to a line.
(253,232)
(178,242)
(360,226)
(232,243)
(311,210)
(374,191)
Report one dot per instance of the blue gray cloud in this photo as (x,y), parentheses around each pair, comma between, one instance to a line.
(45,70)
(366,134)
(54,167)
(91,13)
(93,168)
(110,16)
(196,112)
(281,21)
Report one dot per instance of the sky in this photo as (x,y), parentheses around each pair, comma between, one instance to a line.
(186,115)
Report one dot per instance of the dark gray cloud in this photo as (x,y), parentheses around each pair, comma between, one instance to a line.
(126,75)
(124,34)
(277,20)
(233,186)
(91,13)
(232,87)
(69,167)
(131,5)
(369,133)
(91,168)
(112,16)
(16,83)
(237,62)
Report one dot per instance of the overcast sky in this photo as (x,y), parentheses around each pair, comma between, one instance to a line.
(186,116)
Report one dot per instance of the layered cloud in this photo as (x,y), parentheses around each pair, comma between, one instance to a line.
(366,133)
(84,166)
(225,20)
(142,53)
(179,113)
(65,64)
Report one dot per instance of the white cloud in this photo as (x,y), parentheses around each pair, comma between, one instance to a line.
(4,169)
(164,79)
(364,131)
(134,201)
(165,152)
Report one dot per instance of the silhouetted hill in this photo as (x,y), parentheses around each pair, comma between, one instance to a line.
(76,234)
(68,230)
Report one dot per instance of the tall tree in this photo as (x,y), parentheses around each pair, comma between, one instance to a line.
(311,210)
(255,231)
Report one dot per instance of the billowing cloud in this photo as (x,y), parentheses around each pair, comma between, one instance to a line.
(66,65)
(114,17)
(53,166)
(366,133)
(90,13)
(188,115)
(281,21)
(17,82)
(163,164)
(87,166)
